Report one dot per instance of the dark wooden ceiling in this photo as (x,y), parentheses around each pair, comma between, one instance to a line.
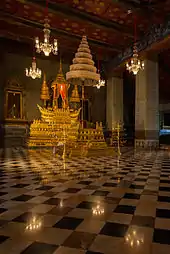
(107,23)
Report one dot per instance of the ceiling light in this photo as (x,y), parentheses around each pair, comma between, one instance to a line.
(33,71)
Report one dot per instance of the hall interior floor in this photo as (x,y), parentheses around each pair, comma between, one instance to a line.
(84,205)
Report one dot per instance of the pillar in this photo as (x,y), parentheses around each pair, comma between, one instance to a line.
(114,106)
(2,84)
(147,106)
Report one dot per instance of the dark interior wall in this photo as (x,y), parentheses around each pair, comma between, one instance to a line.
(98,112)
(129,100)
(15,69)
(164,76)
(14,65)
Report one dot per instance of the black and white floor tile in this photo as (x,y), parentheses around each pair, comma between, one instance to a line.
(84,205)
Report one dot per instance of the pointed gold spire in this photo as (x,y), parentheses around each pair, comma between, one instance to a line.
(60,85)
(44,90)
(60,77)
(75,95)
(61,68)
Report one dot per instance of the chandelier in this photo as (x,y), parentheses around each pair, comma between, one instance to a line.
(46,46)
(101,81)
(135,64)
(33,71)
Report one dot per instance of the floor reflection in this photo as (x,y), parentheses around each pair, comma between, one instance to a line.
(85,205)
(34,224)
(98,210)
(134,239)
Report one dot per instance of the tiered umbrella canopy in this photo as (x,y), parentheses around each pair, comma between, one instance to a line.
(82,71)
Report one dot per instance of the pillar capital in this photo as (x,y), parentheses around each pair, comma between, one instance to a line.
(118,74)
(152,56)
(114,73)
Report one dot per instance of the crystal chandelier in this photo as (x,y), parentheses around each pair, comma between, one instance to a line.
(135,63)
(46,46)
(33,71)
(100,83)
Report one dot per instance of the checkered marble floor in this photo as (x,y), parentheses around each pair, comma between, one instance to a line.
(85,205)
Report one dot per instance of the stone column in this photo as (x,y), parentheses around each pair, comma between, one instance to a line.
(2,84)
(147,106)
(114,106)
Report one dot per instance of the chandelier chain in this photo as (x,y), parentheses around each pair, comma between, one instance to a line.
(135,64)
(101,81)
(46,46)
(46,9)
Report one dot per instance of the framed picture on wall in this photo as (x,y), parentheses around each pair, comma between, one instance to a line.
(14,94)
(13,105)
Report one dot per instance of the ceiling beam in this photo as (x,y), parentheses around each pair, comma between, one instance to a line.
(23,46)
(18,38)
(9,19)
(57,31)
(83,16)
